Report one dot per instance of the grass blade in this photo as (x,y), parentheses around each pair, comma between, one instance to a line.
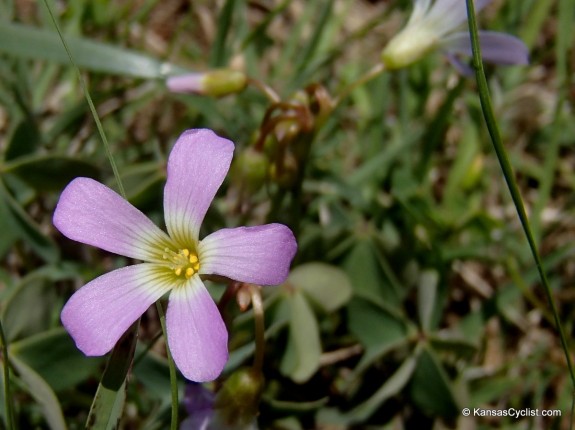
(489,116)
(29,42)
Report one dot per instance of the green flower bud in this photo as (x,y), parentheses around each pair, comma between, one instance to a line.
(216,83)
(250,168)
(408,46)
(237,402)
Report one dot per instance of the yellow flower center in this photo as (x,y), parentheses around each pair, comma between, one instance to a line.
(183,262)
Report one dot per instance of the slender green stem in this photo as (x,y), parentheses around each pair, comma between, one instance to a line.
(258,308)
(111,389)
(7,390)
(90,104)
(485,100)
(374,72)
(172,367)
(268,91)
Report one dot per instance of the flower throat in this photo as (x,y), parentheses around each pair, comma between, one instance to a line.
(183,262)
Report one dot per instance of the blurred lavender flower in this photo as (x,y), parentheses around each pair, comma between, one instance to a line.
(215,83)
(204,414)
(433,25)
(101,311)
(199,403)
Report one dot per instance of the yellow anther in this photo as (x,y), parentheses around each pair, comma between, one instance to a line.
(183,262)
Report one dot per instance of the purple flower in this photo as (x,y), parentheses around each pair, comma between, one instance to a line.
(101,311)
(433,25)
(204,413)
(199,403)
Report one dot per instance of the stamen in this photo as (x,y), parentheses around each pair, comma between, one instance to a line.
(183,262)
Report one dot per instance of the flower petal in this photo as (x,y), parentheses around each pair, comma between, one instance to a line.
(101,311)
(190,83)
(496,47)
(461,66)
(92,213)
(447,15)
(260,255)
(420,9)
(197,335)
(197,167)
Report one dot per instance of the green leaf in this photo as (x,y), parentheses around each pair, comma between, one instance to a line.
(70,120)
(378,330)
(28,310)
(464,173)
(30,42)
(491,390)
(219,52)
(50,172)
(3,400)
(42,393)
(153,372)
(310,48)
(27,229)
(108,403)
(292,407)
(392,386)
(107,408)
(427,297)
(8,227)
(455,346)
(301,359)
(241,354)
(366,275)
(143,182)
(25,139)
(55,357)
(431,389)
(327,286)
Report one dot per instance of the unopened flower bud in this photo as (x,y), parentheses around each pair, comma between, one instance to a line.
(408,46)
(244,298)
(216,83)
(238,400)
(250,168)
(285,174)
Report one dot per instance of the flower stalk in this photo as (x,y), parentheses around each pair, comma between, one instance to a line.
(171,367)
(258,308)
(503,159)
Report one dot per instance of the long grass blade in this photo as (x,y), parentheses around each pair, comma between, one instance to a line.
(25,41)
(489,116)
(109,400)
